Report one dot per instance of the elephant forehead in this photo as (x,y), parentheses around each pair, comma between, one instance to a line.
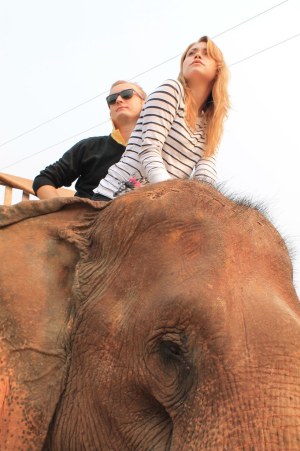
(202,266)
(203,247)
(193,220)
(194,241)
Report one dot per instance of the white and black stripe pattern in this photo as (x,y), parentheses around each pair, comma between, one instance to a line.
(162,146)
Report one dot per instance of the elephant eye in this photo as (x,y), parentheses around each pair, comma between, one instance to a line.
(170,351)
(174,355)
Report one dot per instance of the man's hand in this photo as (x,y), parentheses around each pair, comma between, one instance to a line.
(47,192)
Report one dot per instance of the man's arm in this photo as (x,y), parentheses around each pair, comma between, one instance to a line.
(47,192)
(61,173)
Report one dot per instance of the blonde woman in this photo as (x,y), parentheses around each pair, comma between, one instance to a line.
(180,126)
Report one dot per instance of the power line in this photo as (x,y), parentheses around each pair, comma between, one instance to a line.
(98,125)
(53,145)
(26,132)
(264,50)
(251,18)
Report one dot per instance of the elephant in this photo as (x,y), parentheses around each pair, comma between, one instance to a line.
(163,320)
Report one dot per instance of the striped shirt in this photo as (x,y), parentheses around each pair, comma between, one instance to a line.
(162,146)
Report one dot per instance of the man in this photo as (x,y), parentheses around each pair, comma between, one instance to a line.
(89,159)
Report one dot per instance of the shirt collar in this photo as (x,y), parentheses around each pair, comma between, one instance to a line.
(116,135)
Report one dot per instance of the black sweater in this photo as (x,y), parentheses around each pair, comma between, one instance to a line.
(88,160)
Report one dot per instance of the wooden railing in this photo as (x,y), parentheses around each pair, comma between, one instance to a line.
(12,182)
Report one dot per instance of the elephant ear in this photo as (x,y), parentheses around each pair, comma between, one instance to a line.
(36,308)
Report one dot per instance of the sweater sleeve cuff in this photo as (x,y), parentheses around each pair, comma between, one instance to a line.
(158,176)
(41,181)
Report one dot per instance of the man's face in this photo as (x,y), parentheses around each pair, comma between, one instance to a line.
(125,110)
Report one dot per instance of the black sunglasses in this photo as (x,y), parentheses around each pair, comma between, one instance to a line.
(125,94)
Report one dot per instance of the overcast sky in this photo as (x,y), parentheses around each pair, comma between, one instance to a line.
(59,58)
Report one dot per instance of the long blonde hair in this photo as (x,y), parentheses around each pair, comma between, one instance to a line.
(217,104)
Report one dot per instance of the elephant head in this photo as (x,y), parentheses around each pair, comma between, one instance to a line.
(163,320)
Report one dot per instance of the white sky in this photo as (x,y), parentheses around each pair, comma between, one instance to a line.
(58,54)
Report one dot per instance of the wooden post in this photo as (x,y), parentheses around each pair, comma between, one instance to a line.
(8,195)
(25,196)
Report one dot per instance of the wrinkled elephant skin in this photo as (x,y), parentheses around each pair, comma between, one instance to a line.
(165,320)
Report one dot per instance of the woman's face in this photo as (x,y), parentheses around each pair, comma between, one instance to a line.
(198,66)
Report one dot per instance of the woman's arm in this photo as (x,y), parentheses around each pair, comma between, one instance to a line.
(205,170)
(158,115)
